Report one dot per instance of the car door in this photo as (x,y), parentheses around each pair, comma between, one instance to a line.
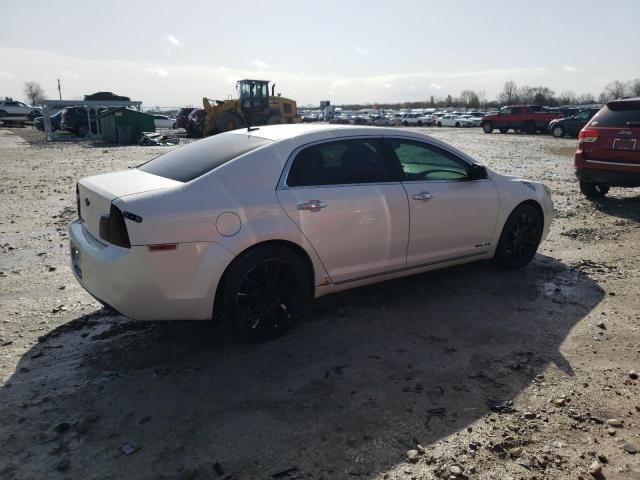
(451,216)
(345,197)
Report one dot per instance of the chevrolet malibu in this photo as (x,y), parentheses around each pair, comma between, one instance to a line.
(246,226)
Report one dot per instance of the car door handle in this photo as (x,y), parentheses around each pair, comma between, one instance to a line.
(422,196)
(312,205)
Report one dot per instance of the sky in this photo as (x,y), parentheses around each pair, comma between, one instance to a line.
(171,54)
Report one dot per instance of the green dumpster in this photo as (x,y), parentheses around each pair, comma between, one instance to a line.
(114,119)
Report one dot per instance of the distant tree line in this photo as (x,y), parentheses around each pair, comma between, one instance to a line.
(511,94)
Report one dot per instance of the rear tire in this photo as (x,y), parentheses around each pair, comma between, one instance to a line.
(457,124)
(593,190)
(558,131)
(487,127)
(439,124)
(520,237)
(265,291)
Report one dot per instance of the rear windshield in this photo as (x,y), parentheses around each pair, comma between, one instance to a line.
(196,159)
(618,114)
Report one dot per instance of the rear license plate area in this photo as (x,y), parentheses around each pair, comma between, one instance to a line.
(624,144)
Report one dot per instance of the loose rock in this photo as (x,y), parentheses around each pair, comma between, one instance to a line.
(515,452)
(629,448)
(456,470)
(595,470)
(615,422)
(413,455)
(633,374)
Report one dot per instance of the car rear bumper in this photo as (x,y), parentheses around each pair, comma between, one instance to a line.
(612,173)
(167,285)
(609,177)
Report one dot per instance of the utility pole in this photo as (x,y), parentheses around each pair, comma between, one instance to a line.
(59,91)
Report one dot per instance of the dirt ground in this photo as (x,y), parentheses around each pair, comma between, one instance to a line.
(470,372)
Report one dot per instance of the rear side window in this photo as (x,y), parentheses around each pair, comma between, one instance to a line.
(618,114)
(196,159)
(341,162)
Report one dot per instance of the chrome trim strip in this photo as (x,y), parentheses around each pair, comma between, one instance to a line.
(413,267)
(602,162)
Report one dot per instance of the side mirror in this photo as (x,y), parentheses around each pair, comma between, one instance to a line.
(478,172)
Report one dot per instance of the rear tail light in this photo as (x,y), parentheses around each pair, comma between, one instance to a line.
(587,135)
(113,228)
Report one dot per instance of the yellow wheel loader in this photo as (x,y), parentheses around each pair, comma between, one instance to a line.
(254,107)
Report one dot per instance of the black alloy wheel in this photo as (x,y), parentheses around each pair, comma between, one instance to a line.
(266,289)
(520,237)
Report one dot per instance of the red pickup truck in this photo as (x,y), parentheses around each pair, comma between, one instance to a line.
(528,118)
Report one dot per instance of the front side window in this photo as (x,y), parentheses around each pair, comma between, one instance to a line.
(341,162)
(420,161)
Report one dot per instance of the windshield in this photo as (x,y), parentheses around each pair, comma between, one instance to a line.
(196,159)
(618,114)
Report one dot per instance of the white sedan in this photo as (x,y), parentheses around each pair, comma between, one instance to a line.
(246,226)
(453,121)
(161,121)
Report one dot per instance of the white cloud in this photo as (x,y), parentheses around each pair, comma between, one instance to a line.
(340,83)
(161,72)
(362,51)
(569,68)
(173,40)
(260,64)
(386,85)
(5,74)
(435,85)
(69,74)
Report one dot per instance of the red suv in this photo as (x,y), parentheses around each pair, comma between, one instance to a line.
(608,152)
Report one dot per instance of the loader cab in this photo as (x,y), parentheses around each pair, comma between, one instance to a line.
(254,95)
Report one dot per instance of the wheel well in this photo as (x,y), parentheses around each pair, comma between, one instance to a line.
(535,204)
(284,243)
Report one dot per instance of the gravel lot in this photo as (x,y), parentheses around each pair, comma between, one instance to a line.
(409,379)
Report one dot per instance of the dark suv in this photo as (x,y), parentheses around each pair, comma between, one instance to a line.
(571,125)
(74,119)
(195,123)
(608,152)
(183,117)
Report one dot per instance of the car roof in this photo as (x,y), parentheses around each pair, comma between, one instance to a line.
(305,133)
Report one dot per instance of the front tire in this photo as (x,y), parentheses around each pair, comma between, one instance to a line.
(593,190)
(228,121)
(520,237)
(487,127)
(264,292)
(558,131)
(457,124)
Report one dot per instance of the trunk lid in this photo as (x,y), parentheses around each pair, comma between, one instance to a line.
(614,132)
(96,193)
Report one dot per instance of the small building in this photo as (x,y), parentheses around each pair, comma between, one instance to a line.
(123,125)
